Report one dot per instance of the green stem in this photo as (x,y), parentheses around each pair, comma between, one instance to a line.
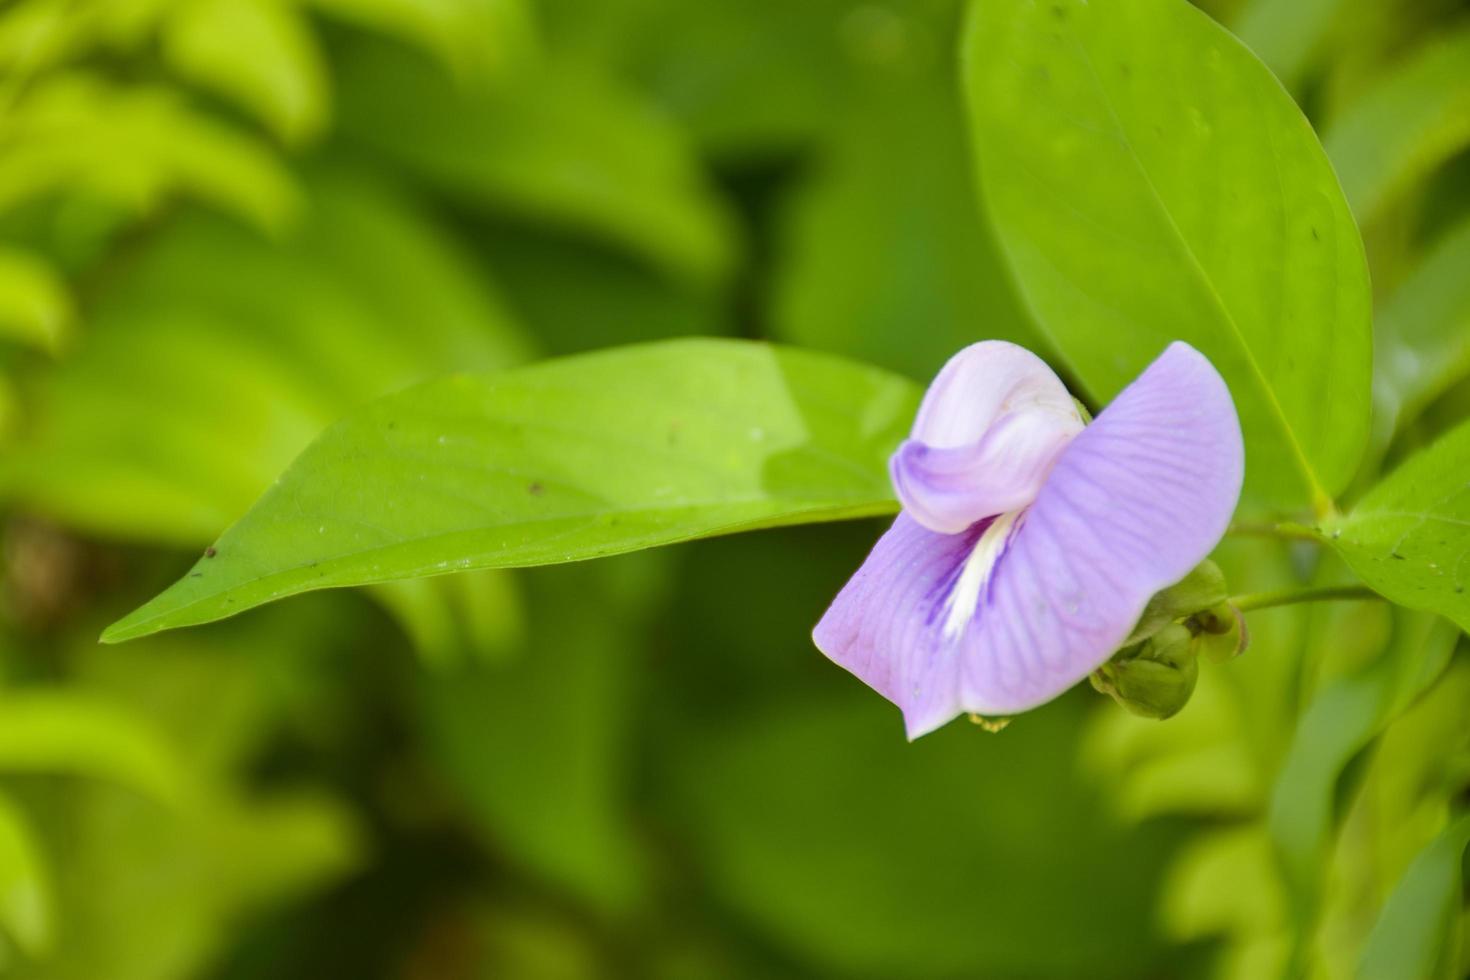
(1287,597)
(1287,530)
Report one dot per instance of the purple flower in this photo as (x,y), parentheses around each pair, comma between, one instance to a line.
(1030,542)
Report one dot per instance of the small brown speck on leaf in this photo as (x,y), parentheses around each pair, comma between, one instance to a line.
(210,552)
(535,489)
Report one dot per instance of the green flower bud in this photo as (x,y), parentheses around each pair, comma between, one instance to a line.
(1156,678)
(1202,588)
(1222,632)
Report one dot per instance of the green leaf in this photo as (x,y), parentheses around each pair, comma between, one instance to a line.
(129,437)
(1421,337)
(46,732)
(1409,940)
(887,257)
(1287,36)
(556,143)
(944,854)
(1151,182)
(156,146)
(1407,124)
(26,900)
(560,811)
(261,53)
(577,458)
(467,35)
(1342,719)
(1409,537)
(35,307)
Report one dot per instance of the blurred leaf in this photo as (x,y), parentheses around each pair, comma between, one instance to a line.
(63,732)
(131,437)
(1342,719)
(554,143)
(1402,128)
(1409,941)
(133,147)
(475,615)
(1224,885)
(618,300)
(468,35)
(1195,765)
(1287,36)
(1409,538)
(1151,181)
(558,810)
(147,892)
(577,458)
(817,823)
(748,80)
(1403,795)
(260,53)
(27,910)
(887,255)
(35,307)
(1421,338)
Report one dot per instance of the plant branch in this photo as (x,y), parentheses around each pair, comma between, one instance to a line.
(1287,597)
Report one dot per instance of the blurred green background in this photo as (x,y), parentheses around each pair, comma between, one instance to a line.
(225,223)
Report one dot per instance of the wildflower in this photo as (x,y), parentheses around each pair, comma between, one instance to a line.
(1030,542)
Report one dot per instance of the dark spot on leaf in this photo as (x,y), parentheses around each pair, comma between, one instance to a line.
(210,552)
(535,489)
(392,425)
(1396,555)
(196,574)
(1315,236)
(1058,11)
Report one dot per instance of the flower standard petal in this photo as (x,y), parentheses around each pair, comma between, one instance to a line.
(988,431)
(1131,505)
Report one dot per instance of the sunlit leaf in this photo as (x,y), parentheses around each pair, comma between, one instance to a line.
(1409,941)
(27,910)
(134,147)
(555,143)
(578,458)
(1409,537)
(455,618)
(63,732)
(35,306)
(260,53)
(1224,886)
(1402,128)
(1151,181)
(131,438)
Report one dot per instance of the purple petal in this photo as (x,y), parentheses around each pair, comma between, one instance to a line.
(948,489)
(989,429)
(1132,504)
